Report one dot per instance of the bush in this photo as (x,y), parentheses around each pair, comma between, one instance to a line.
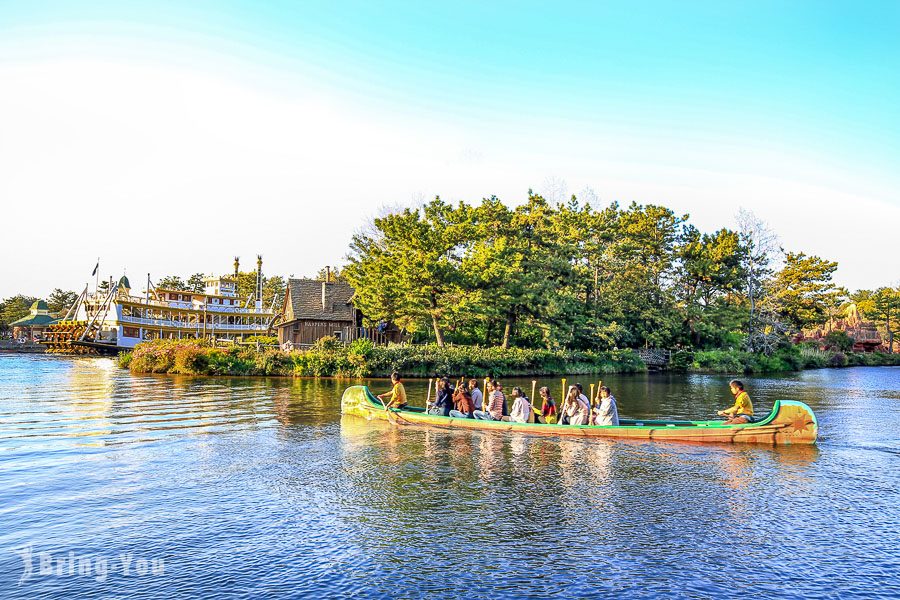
(329,357)
(839,359)
(838,340)
(265,340)
(719,361)
(124,359)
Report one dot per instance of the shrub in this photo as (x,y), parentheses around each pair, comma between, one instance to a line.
(839,359)
(265,340)
(124,359)
(838,340)
(190,360)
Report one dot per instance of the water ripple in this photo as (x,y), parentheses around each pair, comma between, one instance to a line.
(252,487)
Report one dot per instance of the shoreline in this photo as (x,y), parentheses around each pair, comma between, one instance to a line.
(357,361)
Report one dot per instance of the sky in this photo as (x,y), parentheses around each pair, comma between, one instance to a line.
(168,137)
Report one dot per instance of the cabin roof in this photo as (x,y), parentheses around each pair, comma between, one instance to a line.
(304,300)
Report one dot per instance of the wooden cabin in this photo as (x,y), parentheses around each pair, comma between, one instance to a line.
(314,309)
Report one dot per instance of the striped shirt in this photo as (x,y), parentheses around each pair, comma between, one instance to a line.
(495,404)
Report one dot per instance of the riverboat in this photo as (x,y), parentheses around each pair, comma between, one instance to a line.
(115,319)
(789,422)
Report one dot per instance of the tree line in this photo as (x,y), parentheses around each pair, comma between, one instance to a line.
(568,275)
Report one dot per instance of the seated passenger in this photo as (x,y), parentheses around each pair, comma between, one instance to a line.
(575,409)
(398,393)
(493,403)
(521,409)
(548,406)
(477,396)
(742,411)
(606,412)
(443,403)
(464,406)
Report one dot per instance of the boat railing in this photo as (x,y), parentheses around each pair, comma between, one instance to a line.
(200,307)
(198,326)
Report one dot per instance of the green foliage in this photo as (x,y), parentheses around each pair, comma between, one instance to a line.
(838,359)
(195,283)
(838,340)
(802,290)
(60,301)
(406,269)
(884,308)
(172,282)
(14,308)
(192,357)
(124,359)
(265,340)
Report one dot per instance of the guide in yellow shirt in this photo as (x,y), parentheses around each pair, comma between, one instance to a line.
(742,411)
(397,393)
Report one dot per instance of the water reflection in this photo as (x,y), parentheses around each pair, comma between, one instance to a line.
(260,484)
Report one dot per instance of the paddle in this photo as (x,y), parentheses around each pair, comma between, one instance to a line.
(428,396)
(565,399)
(591,406)
(390,415)
(533,385)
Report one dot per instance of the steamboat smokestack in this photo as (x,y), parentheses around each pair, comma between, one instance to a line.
(259,281)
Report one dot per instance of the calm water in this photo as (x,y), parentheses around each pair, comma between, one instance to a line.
(239,488)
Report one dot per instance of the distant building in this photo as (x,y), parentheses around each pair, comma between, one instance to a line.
(314,309)
(33,326)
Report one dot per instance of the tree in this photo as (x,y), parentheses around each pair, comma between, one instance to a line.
(60,300)
(639,288)
(407,269)
(802,290)
(171,282)
(513,260)
(334,275)
(195,283)
(14,308)
(885,309)
(710,275)
(273,289)
(760,247)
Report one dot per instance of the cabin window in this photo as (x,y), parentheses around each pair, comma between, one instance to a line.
(132,332)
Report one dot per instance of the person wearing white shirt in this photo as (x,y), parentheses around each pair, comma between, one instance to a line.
(607,413)
(521,410)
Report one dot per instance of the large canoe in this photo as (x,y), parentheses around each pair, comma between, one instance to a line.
(790,422)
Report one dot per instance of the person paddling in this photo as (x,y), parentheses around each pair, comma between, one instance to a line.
(742,411)
(397,393)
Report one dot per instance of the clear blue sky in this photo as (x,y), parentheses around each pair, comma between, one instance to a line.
(322,114)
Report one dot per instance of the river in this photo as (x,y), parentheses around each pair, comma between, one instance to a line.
(114,485)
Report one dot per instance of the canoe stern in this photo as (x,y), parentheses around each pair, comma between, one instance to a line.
(797,423)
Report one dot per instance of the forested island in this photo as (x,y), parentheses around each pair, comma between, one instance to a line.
(484,288)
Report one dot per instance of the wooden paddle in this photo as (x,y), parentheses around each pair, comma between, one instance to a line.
(591,406)
(390,415)
(565,398)
(533,385)
(428,395)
